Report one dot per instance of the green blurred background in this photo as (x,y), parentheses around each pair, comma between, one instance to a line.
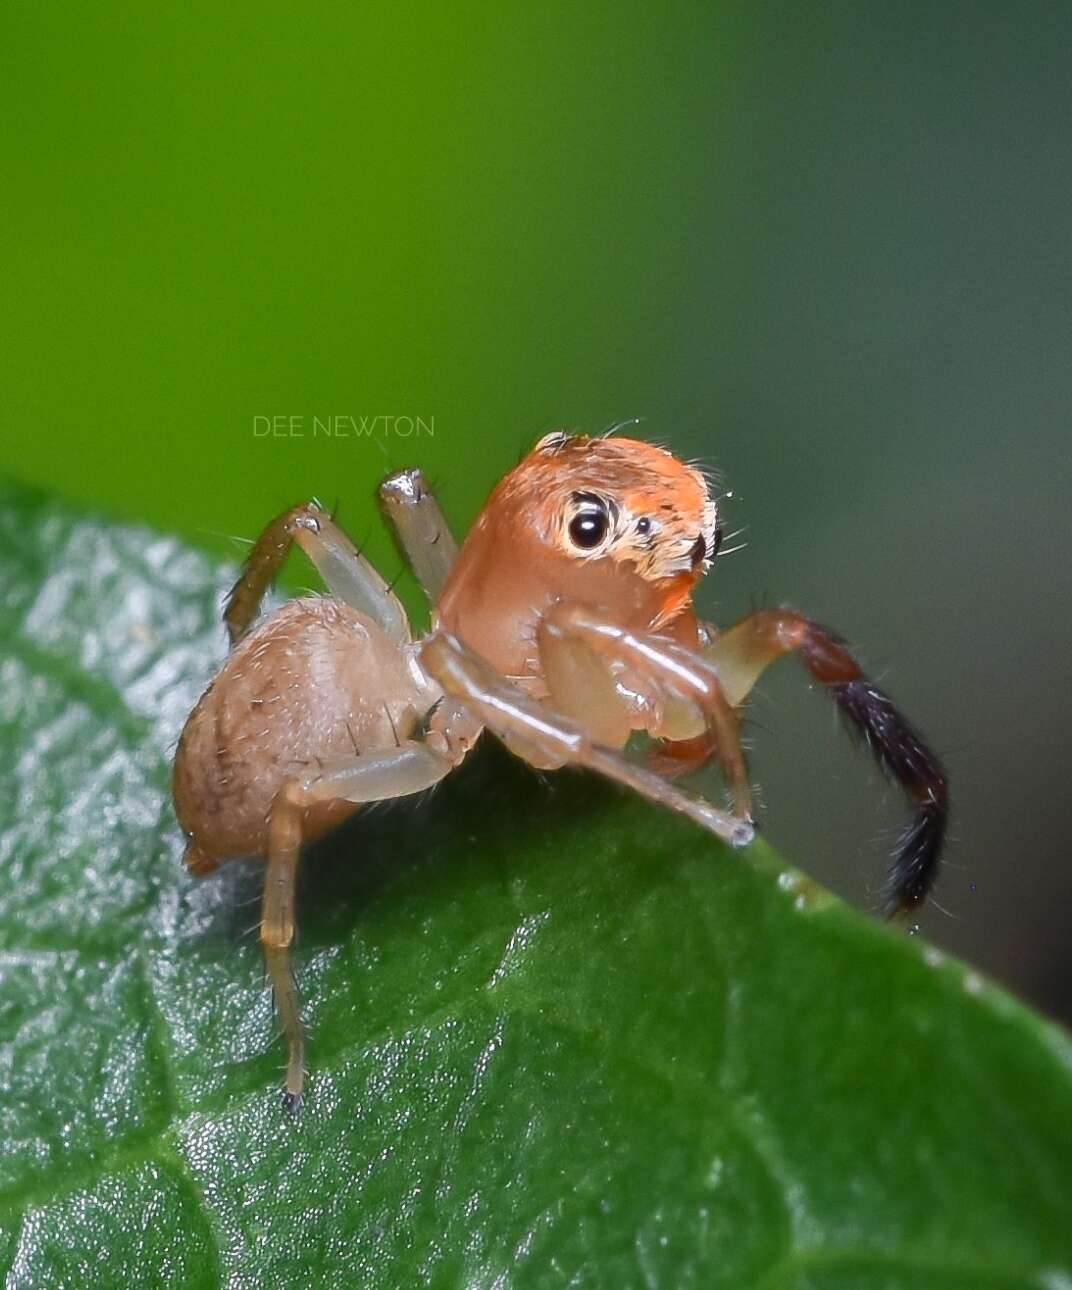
(826,248)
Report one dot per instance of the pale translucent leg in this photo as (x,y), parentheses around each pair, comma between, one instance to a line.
(369,777)
(557,739)
(743,652)
(421,529)
(348,575)
(579,644)
(277,930)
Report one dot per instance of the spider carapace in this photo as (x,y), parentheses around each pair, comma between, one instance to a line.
(563,624)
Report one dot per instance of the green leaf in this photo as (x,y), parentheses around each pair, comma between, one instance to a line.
(556,1036)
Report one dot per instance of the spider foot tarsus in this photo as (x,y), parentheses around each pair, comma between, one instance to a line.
(744,651)
(903,755)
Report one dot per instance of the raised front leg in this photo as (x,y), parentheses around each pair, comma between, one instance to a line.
(584,652)
(740,656)
(421,529)
(348,575)
(548,738)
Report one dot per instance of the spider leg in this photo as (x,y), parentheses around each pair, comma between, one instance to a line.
(688,696)
(741,654)
(277,931)
(368,777)
(554,739)
(421,529)
(349,577)
(678,757)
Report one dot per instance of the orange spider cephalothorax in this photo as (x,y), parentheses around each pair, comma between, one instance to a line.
(617,522)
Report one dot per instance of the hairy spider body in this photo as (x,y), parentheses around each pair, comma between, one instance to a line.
(317,681)
(563,625)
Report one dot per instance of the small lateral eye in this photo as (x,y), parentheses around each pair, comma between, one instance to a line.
(643,526)
(589,527)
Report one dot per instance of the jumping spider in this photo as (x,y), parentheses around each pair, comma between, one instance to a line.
(562,624)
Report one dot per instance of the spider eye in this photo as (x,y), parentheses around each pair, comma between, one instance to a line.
(589,526)
(643,526)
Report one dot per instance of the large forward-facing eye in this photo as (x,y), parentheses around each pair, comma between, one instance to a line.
(589,527)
